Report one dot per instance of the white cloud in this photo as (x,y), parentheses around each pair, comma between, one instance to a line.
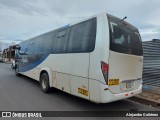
(22,19)
(148,32)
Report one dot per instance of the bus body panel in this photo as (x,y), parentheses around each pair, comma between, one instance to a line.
(107,96)
(69,75)
(125,68)
(79,86)
(104,95)
(95,90)
(101,52)
(74,64)
(63,82)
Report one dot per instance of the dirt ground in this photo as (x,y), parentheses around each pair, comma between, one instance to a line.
(152,95)
(150,98)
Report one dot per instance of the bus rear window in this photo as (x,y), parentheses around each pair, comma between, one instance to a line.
(124,38)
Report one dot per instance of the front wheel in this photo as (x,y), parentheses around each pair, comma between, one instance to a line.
(44,82)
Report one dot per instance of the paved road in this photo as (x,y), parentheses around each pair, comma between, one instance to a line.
(24,94)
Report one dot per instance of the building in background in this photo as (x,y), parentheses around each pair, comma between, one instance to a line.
(151,67)
(8,51)
(9,54)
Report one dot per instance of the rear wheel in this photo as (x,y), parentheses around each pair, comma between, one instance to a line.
(17,71)
(44,82)
(12,66)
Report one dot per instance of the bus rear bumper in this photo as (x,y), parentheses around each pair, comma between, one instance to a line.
(107,96)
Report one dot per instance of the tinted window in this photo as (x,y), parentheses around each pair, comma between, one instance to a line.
(124,38)
(82,37)
(31,47)
(78,38)
(24,46)
(38,45)
(60,41)
(47,42)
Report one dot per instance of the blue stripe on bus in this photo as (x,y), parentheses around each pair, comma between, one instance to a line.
(33,65)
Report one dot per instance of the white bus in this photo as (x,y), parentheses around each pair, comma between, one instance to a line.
(99,59)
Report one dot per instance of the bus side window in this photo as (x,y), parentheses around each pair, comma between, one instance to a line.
(47,43)
(82,37)
(60,41)
(38,45)
(117,32)
(24,47)
(31,48)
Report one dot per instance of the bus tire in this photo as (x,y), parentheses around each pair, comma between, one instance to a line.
(12,66)
(17,71)
(44,83)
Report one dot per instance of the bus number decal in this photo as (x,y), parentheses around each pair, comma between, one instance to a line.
(83,91)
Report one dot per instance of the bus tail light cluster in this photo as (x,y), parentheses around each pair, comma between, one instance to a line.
(104,68)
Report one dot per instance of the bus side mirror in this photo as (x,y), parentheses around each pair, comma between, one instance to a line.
(16,47)
(19,48)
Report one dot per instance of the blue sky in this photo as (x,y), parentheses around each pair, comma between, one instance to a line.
(23,19)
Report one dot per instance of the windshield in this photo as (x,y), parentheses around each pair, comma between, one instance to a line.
(124,38)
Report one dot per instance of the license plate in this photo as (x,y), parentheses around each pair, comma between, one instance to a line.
(114,82)
(129,84)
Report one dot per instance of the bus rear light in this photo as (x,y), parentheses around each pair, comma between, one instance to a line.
(126,94)
(104,68)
